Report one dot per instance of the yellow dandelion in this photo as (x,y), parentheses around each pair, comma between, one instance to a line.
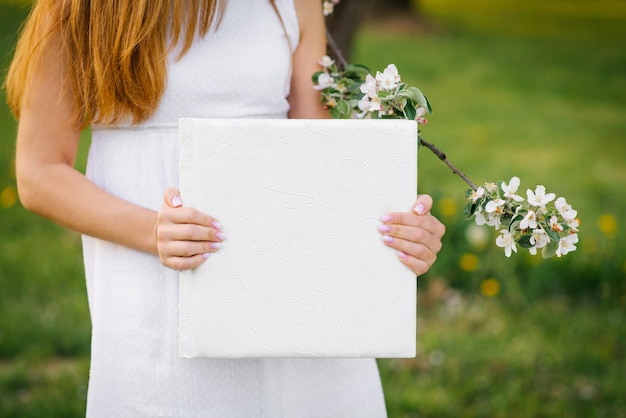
(468,262)
(448,207)
(608,225)
(490,287)
(8,197)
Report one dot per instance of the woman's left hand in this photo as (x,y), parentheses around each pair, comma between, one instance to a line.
(416,235)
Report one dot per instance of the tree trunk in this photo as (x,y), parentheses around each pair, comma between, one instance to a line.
(344,22)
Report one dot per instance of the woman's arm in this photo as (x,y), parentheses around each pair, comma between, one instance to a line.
(415,235)
(48,184)
(303,98)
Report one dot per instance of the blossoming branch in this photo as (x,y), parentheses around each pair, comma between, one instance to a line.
(537,222)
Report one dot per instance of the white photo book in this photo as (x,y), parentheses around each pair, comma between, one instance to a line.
(303,272)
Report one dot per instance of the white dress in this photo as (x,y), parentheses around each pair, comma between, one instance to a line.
(240,70)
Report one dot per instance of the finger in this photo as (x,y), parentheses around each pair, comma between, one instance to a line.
(416,265)
(171,197)
(191,232)
(418,255)
(422,229)
(193,216)
(425,245)
(423,204)
(184,263)
(408,233)
(392,222)
(188,248)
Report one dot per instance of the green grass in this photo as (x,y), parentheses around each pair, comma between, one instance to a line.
(550,342)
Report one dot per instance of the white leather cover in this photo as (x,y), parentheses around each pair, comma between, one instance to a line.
(303,272)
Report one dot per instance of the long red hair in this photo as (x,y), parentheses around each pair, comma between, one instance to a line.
(116,51)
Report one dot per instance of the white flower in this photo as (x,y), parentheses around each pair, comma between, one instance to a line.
(493,220)
(554,224)
(494,205)
(324,81)
(510,189)
(564,209)
(538,239)
(566,244)
(420,112)
(328,8)
(479,217)
(389,78)
(364,104)
(490,220)
(326,61)
(477,194)
(491,187)
(573,224)
(506,241)
(370,87)
(529,221)
(539,198)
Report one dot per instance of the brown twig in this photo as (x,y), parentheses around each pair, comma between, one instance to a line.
(343,64)
(341,61)
(442,156)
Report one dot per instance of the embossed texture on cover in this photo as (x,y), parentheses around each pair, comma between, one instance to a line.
(303,272)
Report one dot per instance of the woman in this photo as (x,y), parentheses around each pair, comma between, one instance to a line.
(130,70)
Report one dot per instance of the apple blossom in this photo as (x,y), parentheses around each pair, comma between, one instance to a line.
(566,244)
(326,61)
(494,205)
(529,221)
(564,209)
(389,78)
(539,198)
(510,190)
(554,223)
(324,81)
(539,239)
(539,222)
(477,194)
(505,240)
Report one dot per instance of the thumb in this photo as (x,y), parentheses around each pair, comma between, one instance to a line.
(423,204)
(171,197)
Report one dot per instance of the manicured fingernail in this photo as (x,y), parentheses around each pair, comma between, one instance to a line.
(216,225)
(419,209)
(384,228)
(401,255)
(176,202)
(386,218)
(221,236)
(206,255)
(387,238)
(215,245)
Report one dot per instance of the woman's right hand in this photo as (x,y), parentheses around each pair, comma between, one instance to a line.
(185,236)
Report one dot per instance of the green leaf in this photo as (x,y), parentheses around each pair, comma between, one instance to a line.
(428,106)
(469,210)
(420,99)
(316,76)
(524,241)
(554,236)
(358,69)
(334,113)
(409,111)
(549,250)
(514,223)
(343,107)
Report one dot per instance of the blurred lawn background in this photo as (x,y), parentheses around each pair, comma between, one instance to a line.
(529,88)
